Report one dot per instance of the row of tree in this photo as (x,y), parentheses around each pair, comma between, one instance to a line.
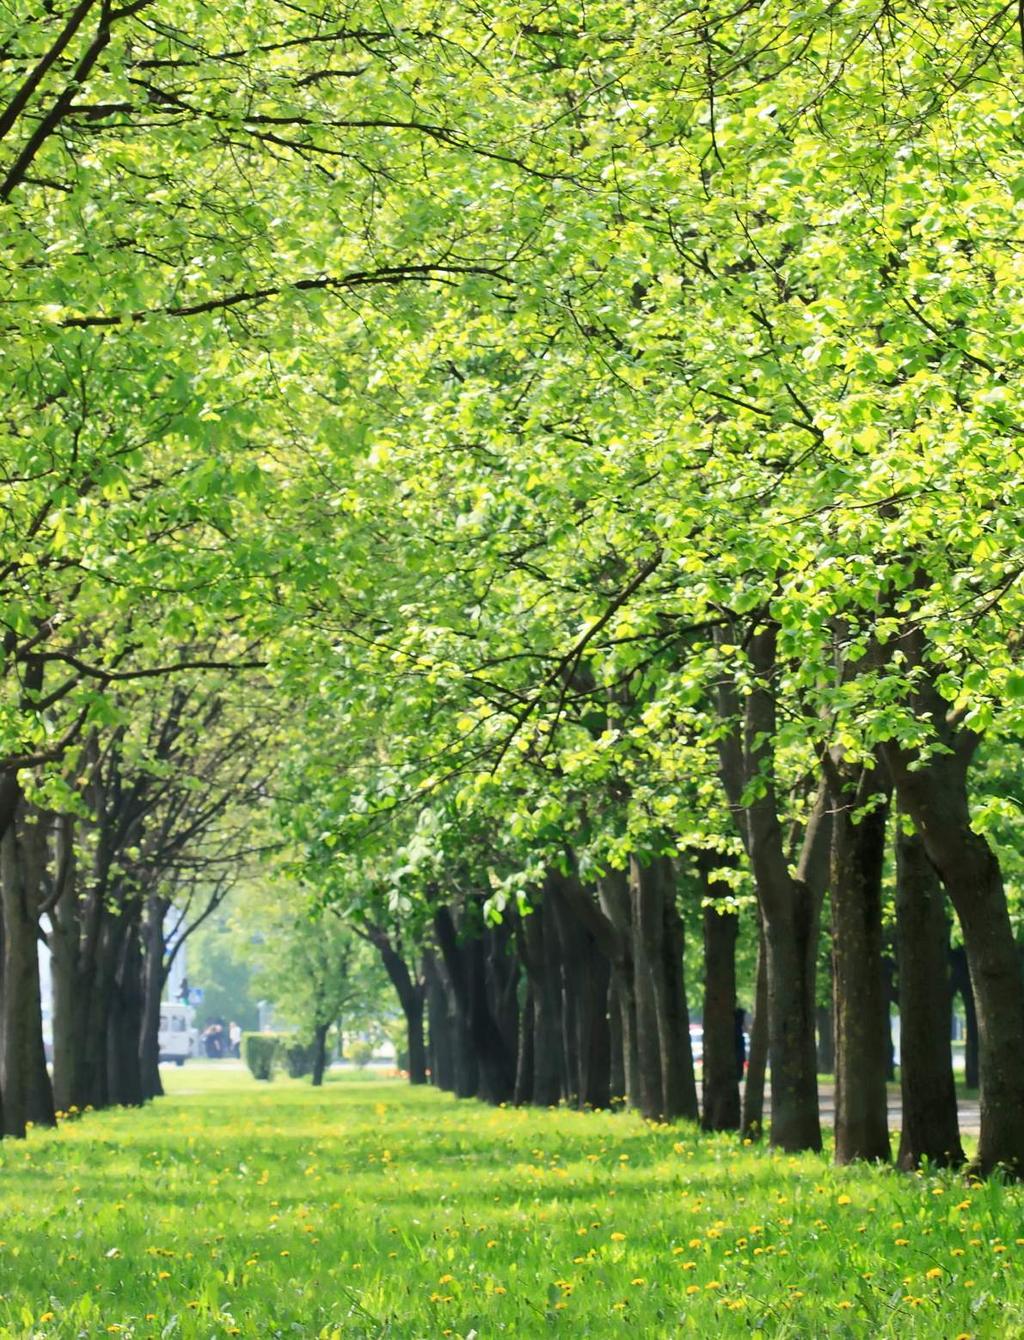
(597,435)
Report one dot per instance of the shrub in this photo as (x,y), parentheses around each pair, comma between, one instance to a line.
(360,1052)
(298,1057)
(259,1051)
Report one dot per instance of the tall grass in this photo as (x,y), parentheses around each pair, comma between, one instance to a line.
(367,1209)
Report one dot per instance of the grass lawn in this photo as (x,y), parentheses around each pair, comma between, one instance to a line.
(369,1209)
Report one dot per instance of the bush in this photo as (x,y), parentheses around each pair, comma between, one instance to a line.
(360,1052)
(259,1051)
(298,1057)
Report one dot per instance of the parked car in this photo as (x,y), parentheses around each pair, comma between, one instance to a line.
(177,1036)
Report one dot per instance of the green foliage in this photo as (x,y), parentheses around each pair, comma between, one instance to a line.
(307,962)
(359,1052)
(260,1053)
(457,392)
(218,966)
(297,1056)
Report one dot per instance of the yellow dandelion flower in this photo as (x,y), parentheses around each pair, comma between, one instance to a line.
(638,1281)
(713,1284)
(618,1237)
(843,1200)
(934,1274)
(693,1288)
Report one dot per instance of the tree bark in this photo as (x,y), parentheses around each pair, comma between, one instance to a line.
(319,1053)
(584,976)
(28,1095)
(614,902)
(791,939)
(124,1019)
(441,1042)
(524,1051)
(790,906)
(934,794)
(464,965)
(757,1058)
(539,950)
(616,1060)
(961,979)
(411,996)
(721,1069)
(930,1119)
(153,977)
(666,1086)
(861,1000)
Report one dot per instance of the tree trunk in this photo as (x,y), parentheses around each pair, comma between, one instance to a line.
(442,1049)
(961,982)
(617,1059)
(539,950)
(465,968)
(153,978)
(647,921)
(411,996)
(934,794)
(494,1050)
(757,1059)
(28,1095)
(861,999)
(320,1053)
(614,899)
(789,905)
(596,1086)
(791,938)
(584,974)
(501,972)
(678,1081)
(124,1020)
(97,977)
(722,1069)
(524,1051)
(665,1060)
(71,992)
(930,1120)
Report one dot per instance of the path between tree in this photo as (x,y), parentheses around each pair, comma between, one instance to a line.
(970,1112)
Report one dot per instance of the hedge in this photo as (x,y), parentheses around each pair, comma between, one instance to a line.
(259,1051)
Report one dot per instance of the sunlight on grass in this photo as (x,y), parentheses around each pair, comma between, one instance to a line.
(369,1209)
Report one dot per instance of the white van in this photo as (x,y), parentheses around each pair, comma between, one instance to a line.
(177,1037)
